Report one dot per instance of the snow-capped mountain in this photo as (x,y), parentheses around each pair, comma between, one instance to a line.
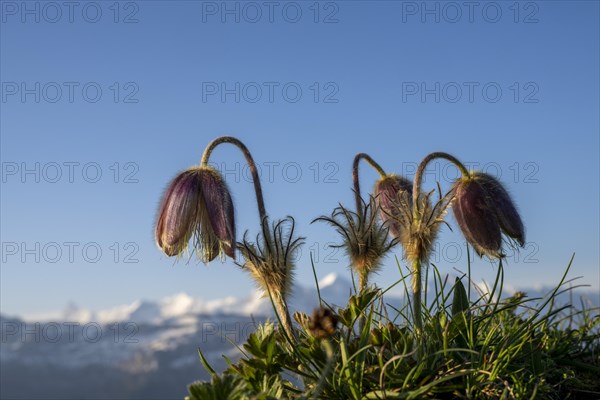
(334,289)
(146,349)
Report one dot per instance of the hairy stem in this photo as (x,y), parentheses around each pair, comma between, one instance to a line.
(251,164)
(279,297)
(363,279)
(284,314)
(355,180)
(417,214)
(363,276)
(416,287)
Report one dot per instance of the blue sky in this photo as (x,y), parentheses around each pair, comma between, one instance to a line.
(509,87)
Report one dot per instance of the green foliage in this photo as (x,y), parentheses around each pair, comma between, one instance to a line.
(227,387)
(470,348)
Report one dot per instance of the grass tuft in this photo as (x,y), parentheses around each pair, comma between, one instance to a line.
(472,347)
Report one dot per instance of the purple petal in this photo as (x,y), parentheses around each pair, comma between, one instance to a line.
(475,218)
(507,214)
(177,214)
(386,192)
(219,207)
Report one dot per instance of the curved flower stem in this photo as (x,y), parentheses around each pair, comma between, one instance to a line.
(421,170)
(355,180)
(279,298)
(363,276)
(251,164)
(417,214)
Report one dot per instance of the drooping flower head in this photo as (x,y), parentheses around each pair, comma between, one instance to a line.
(484,211)
(365,238)
(393,194)
(197,205)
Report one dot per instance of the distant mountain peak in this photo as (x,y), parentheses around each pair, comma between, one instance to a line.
(176,305)
(334,279)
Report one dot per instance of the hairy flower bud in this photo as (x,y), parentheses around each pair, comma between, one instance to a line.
(483,211)
(197,204)
(178,213)
(219,208)
(508,216)
(394,194)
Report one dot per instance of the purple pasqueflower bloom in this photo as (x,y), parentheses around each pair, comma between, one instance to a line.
(393,194)
(197,205)
(484,211)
